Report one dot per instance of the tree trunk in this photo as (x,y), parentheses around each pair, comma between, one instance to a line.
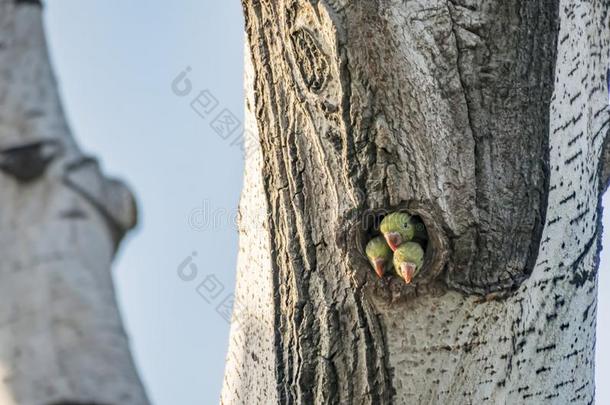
(486,118)
(61,337)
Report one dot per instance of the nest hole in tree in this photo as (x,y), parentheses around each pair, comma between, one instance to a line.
(435,248)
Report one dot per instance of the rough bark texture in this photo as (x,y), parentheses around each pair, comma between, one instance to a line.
(61,337)
(604,176)
(488,118)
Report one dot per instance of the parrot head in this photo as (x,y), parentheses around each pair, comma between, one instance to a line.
(408,260)
(379,255)
(397,228)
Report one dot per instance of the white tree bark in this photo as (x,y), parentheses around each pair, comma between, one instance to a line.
(312,324)
(61,336)
(252,329)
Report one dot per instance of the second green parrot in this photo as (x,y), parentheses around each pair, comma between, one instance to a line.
(408,260)
(380,255)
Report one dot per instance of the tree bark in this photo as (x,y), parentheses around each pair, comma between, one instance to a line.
(61,336)
(488,119)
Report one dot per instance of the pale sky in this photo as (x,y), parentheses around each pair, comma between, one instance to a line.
(115,61)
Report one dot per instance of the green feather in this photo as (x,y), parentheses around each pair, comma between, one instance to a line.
(398,222)
(410,252)
(377,248)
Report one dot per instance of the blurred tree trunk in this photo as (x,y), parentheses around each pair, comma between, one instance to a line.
(487,118)
(61,336)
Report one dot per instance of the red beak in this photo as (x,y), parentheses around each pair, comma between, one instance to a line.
(394,240)
(379,267)
(408,271)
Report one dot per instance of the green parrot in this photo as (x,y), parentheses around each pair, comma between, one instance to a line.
(397,229)
(379,254)
(408,260)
